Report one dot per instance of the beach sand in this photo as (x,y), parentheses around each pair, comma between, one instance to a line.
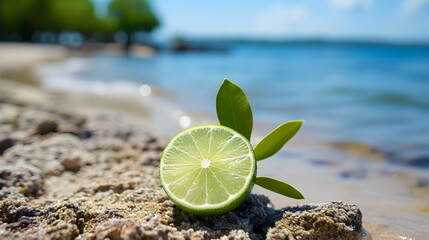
(76,165)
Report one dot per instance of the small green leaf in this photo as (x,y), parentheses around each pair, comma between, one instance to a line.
(276,139)
(278,187)
(233,108)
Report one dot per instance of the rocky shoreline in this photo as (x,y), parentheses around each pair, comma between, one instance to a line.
(65,174)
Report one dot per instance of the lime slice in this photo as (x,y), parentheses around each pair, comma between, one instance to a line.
(208,169)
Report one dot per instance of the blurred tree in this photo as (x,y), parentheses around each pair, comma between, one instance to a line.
(21,17)
(24,17)
(133,16)
(73,16)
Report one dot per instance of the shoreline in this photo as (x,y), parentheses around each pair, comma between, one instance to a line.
(18,56)
(77,101)
(21,72)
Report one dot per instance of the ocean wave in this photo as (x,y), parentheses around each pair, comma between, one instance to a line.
(64,76)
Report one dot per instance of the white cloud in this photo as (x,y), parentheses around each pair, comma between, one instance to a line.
(346,5)
(278,19)
(411,6)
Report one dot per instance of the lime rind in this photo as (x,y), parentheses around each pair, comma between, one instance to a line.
(189,171)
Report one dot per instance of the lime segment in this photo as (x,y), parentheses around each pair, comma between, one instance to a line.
(208,169)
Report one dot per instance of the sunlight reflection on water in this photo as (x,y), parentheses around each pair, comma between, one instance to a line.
(184,121)
(145,90)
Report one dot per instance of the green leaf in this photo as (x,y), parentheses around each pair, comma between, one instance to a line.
(276,139)
(233,108)
(278,187)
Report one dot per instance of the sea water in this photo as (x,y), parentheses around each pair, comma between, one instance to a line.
(366,109)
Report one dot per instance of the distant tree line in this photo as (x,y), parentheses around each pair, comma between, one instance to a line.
(49,20)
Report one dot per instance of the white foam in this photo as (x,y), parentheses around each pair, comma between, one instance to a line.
(62,76)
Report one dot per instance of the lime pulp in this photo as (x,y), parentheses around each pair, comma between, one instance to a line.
(208,169)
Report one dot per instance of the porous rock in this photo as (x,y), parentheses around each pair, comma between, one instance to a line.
(71,163)
(46,155)
(20,179)
(148,214)
(46,126)
(5,143)
(320,221)
(37,121)
(22,221)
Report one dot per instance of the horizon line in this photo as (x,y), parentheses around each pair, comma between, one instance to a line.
(305,40)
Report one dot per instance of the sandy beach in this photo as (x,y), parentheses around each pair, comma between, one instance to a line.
(78,166)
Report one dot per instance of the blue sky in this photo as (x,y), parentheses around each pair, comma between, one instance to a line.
(396,20)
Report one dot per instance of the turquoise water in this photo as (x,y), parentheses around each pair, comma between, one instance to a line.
(376,94)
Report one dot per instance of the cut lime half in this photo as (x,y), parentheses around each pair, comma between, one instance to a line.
(208,169)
